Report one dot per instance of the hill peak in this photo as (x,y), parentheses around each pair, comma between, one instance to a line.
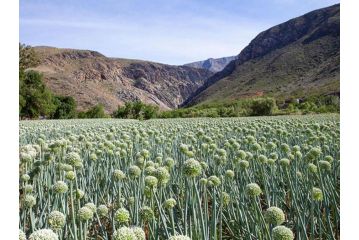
(297,58)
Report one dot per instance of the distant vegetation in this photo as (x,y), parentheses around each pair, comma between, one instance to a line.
(250,107)
(258,107)
(96,111)
(319,104)
(136,110)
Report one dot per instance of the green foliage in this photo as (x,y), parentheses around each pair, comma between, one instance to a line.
(263,106)
(136,110)
(35,97)
(27,57)
(257,107)
(248,107)
(315,104)
(96,111)
(150,111)
(65,107)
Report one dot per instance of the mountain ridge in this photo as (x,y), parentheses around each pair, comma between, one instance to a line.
(293,43)
(212,64)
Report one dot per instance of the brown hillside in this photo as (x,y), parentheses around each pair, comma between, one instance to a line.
(92,78)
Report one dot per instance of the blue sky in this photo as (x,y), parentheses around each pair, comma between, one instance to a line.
(167,31)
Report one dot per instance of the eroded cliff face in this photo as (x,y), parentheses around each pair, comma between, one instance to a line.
(299,57)
(92,78)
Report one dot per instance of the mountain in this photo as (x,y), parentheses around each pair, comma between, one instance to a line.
(297,58)
(212,64)
(93,78)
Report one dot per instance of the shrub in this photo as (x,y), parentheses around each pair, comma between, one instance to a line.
(96,111)
(136,110)
(263,106)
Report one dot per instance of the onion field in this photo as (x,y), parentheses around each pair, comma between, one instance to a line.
(275,178)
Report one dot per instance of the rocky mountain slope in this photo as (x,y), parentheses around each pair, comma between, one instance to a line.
(92,78)
(297,58)
(212,64)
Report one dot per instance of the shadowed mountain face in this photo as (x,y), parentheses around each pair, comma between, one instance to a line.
(294,59)
(92,78)
(212,64)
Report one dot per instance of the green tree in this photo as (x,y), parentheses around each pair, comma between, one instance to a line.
(35,97)
(150,111)
(137,107)
(125,111)
(22,99)
(27,57)
(65,107)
